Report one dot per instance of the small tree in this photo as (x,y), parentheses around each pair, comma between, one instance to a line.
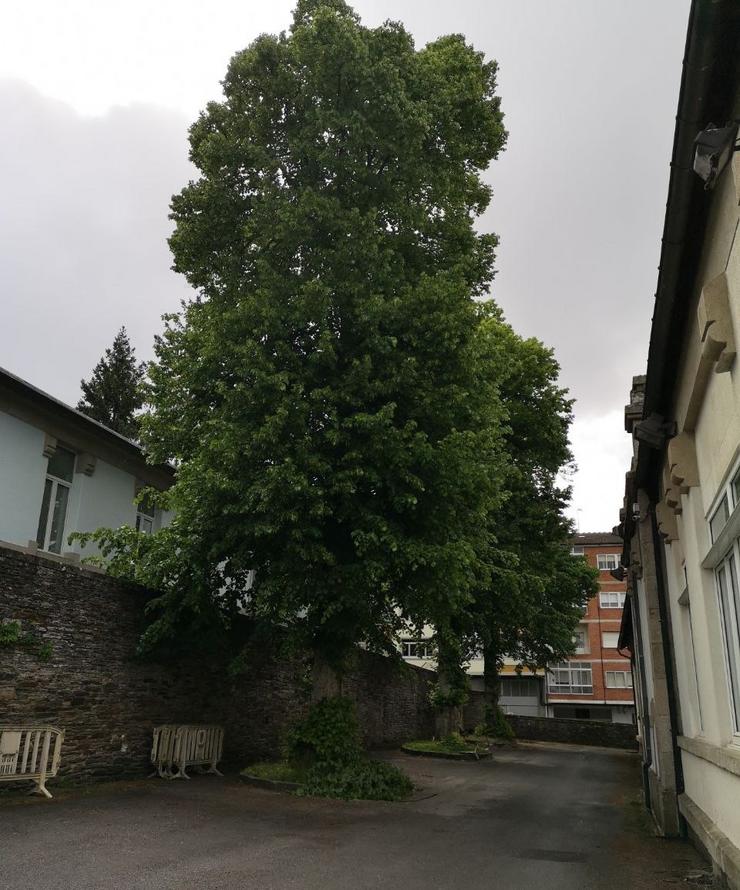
(113,394)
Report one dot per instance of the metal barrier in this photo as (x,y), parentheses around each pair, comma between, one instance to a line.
(176,747)
(30,753)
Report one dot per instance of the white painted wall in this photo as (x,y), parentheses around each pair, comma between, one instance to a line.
(22,471)
(703,692)
(104,499)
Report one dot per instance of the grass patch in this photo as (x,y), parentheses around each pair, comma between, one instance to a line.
(452,744)
(280,771)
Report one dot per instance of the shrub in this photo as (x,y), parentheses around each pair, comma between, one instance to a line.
(328,744)
(329,735)
(497,725)
(362,780)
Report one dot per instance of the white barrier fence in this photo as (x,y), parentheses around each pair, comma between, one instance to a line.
(30,753)
(176,747)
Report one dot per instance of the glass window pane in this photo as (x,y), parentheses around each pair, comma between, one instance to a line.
(44,515)
(719,519)
(62,464)
(58,517)
(729,633)
(734,655)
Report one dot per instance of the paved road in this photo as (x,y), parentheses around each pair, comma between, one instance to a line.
(538,817)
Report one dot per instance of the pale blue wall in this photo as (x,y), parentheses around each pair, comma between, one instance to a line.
(22,472)
(104,499)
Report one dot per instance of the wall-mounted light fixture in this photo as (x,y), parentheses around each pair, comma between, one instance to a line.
(713,148)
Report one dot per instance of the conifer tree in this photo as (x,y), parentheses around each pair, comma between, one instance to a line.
(113,394)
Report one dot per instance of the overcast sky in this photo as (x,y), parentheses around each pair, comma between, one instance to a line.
(96,98)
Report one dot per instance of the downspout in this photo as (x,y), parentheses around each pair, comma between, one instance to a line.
(670,679)
(647,745)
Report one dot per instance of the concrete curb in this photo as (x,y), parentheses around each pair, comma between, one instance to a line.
(442,755)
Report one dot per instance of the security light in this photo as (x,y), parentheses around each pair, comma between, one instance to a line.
(713,148)
(619,573)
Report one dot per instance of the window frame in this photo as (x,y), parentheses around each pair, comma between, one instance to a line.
(619,594)
(728,601)
(609,557)
(416,644)
(570,668)
(609,633)
(46,523)
(628,680)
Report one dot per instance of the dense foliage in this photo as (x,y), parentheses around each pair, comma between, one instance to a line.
(114,392)
(362,443)
(335,422)
(538,590)
(327,745)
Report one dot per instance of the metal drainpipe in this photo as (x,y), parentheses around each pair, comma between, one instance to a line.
(647,745)
(670,679)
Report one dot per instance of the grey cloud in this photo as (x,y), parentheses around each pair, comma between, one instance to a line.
(589,91)
(83,228)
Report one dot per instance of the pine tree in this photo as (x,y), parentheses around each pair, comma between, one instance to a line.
(113,394)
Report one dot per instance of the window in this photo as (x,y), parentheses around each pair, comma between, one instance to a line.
(729,603)
(571,677)
(619,679)
(416,649)
(59,476)
(611,599)
(144,518)
(719,518)
(580,639)
(607,561)
(610,640)
(576,550)
(520,687)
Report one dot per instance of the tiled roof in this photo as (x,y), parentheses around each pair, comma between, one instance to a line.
(596,538)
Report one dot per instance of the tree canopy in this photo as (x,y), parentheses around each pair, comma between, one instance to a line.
(335,422)
(361,440)
(114,394)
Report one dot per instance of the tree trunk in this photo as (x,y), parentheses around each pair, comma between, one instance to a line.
(326,680)
(448,718)
(491,682)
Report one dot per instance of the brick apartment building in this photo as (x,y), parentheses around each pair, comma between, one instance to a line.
(596,682)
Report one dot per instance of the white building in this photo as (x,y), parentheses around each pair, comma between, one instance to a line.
(681,517)
(521,692)
(61,471)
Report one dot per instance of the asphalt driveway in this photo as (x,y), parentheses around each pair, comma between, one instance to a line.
(539,817)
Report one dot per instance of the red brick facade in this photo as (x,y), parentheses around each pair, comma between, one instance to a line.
(610,677)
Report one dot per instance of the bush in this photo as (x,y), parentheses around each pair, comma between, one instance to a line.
(329,735)
(362,780)
(328,745)
(496,725)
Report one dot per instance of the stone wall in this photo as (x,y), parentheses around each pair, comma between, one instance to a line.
(577,732)
(553,729)
(107,700)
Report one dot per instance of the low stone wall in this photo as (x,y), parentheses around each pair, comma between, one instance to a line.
(90,682)
(577,732)
(555,729)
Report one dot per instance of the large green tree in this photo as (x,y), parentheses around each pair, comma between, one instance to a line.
(114,392)
(335,421)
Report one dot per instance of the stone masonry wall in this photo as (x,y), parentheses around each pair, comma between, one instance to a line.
(553,729)
(107,700)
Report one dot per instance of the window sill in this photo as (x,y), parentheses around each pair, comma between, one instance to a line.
(727,758)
